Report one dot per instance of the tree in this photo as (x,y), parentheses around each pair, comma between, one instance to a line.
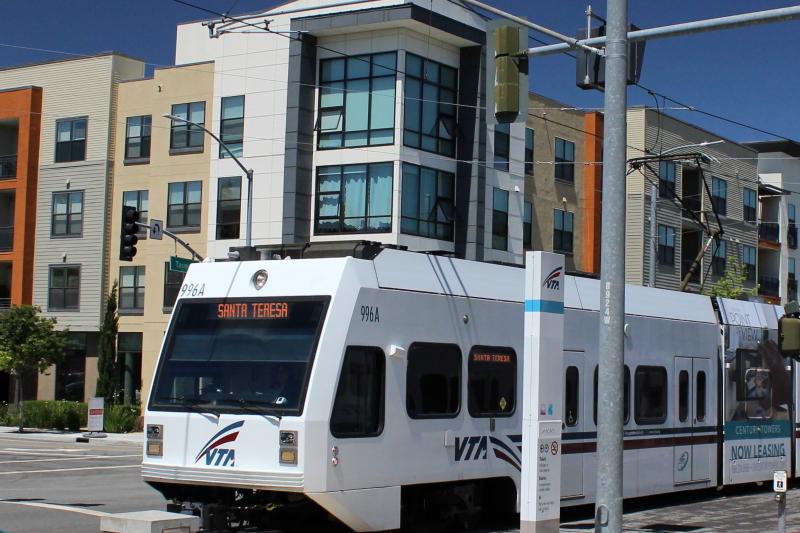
(28,343)
(107,357)
(731,284)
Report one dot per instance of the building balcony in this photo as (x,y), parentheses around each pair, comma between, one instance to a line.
(8,166)
(769,232)
(768,286)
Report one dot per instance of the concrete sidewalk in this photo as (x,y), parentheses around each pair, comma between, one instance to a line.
(69,436)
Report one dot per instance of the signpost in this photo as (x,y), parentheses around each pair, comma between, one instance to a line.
(542,393)
(179,264)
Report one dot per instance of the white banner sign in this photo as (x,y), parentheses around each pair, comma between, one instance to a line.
(96,411)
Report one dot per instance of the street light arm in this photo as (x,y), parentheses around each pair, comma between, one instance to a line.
(222,144)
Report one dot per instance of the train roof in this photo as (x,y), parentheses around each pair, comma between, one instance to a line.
(396,269)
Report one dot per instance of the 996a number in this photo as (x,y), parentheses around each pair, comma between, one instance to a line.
(370,314)
(193,289)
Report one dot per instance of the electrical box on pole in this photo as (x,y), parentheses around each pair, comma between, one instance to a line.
(506,72)
(590,68)
(128,238)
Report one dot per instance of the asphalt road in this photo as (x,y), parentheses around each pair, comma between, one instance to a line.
(50,483)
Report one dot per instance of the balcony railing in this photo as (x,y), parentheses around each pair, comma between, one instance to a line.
(686,265)
(5,304)
(791,236)
(769,231)
(768,286)
(6,238)
(8,166)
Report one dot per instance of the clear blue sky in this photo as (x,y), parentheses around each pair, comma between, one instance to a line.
(747,74)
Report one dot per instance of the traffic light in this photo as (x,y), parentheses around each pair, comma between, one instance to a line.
(128,238)
(789,336)
(506,72)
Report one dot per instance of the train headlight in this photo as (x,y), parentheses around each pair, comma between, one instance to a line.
(155,440)
(260,279)
(288,447)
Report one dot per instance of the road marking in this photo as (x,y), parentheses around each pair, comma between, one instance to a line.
(56,507)
(45,449)
(69,469)
(72,455)
(76,458)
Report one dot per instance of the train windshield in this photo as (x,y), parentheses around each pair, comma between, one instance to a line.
(239,355)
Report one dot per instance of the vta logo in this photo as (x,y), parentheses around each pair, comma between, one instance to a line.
(216,456)
(552,280)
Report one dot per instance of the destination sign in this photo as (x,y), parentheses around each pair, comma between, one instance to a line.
(492,358)
(253,310)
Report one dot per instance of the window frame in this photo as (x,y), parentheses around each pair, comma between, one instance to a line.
(64,289)
(667,178)
(666,252)
(69,214)
(176,125)
(416,415)
(500,232)
(341,193)
(143,213)
(145,122)
(439,177)
(223,203)
(527,225)
(139,274)
(72,141)
(502,147)
(683,395)
(561,248)
(235,146)
(184,228)
(381,358)
(342,123)
(697,403)
(719,201)
(650,420)
(447,112)
(576,396)
(719,262)
(167,305)
(564,166)
(749,209)
(472,408)
(530,138)
(750,268)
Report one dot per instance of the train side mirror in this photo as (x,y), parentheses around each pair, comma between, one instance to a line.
(789,337)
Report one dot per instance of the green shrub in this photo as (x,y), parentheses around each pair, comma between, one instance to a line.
(121,418)
(8,415)
(48,414)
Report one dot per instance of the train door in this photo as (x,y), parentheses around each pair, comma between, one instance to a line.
(690,461)
(574,419)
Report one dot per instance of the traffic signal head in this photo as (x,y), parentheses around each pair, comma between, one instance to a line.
(506,83)
(789,336)
(128,238)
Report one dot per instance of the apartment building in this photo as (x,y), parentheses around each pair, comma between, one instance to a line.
(20,120)
(779,187)
(563,151)
(70,128)
(366,124)
(664,235)
(162,170)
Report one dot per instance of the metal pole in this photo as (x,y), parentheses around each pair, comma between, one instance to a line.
(653,235)
(249,228)
(781,497)
(608,508)
(699,26)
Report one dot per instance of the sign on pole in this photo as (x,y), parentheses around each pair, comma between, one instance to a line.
(156,229)
(542,392)
(96,412)
(179,264)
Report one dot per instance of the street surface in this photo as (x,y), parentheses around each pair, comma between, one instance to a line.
(50,483)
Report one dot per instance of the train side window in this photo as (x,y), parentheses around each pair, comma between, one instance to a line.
(650,395)
(492,375)
(627,395)
(359,404)
(433,380)
(683,395)
(571,396)
(700,397)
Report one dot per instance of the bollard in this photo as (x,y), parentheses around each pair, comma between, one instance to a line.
(779,486)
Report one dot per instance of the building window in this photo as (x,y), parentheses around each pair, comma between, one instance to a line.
(565,160)
(359,404)
(183,204)
(529,151)
(137,137)
(129,354)
(492,378)
(138,200)
(666,245)
(650,395)
(500,219)
(666,179)
(750,200)
(792,233)
(719,195)
(354,198)
(502,140)
(70,374)
(749,260)
(172,285)
(433,380)
(131,288)
(719,257)
(527,225)
(229,206)
(64,288)
(185,136)
(231,125)
(427,207)
(792,280)
(356,101)
(430,106)
(70,140)
(67,214)
(562,231)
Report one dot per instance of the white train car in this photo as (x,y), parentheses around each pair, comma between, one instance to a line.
(389,384)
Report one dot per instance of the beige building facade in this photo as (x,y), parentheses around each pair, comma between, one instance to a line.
(162,171)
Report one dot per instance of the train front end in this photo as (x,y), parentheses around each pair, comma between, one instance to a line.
(230,429)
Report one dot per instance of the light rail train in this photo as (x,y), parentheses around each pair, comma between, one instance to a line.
(387,388)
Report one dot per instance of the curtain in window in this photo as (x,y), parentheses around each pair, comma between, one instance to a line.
(380,196)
